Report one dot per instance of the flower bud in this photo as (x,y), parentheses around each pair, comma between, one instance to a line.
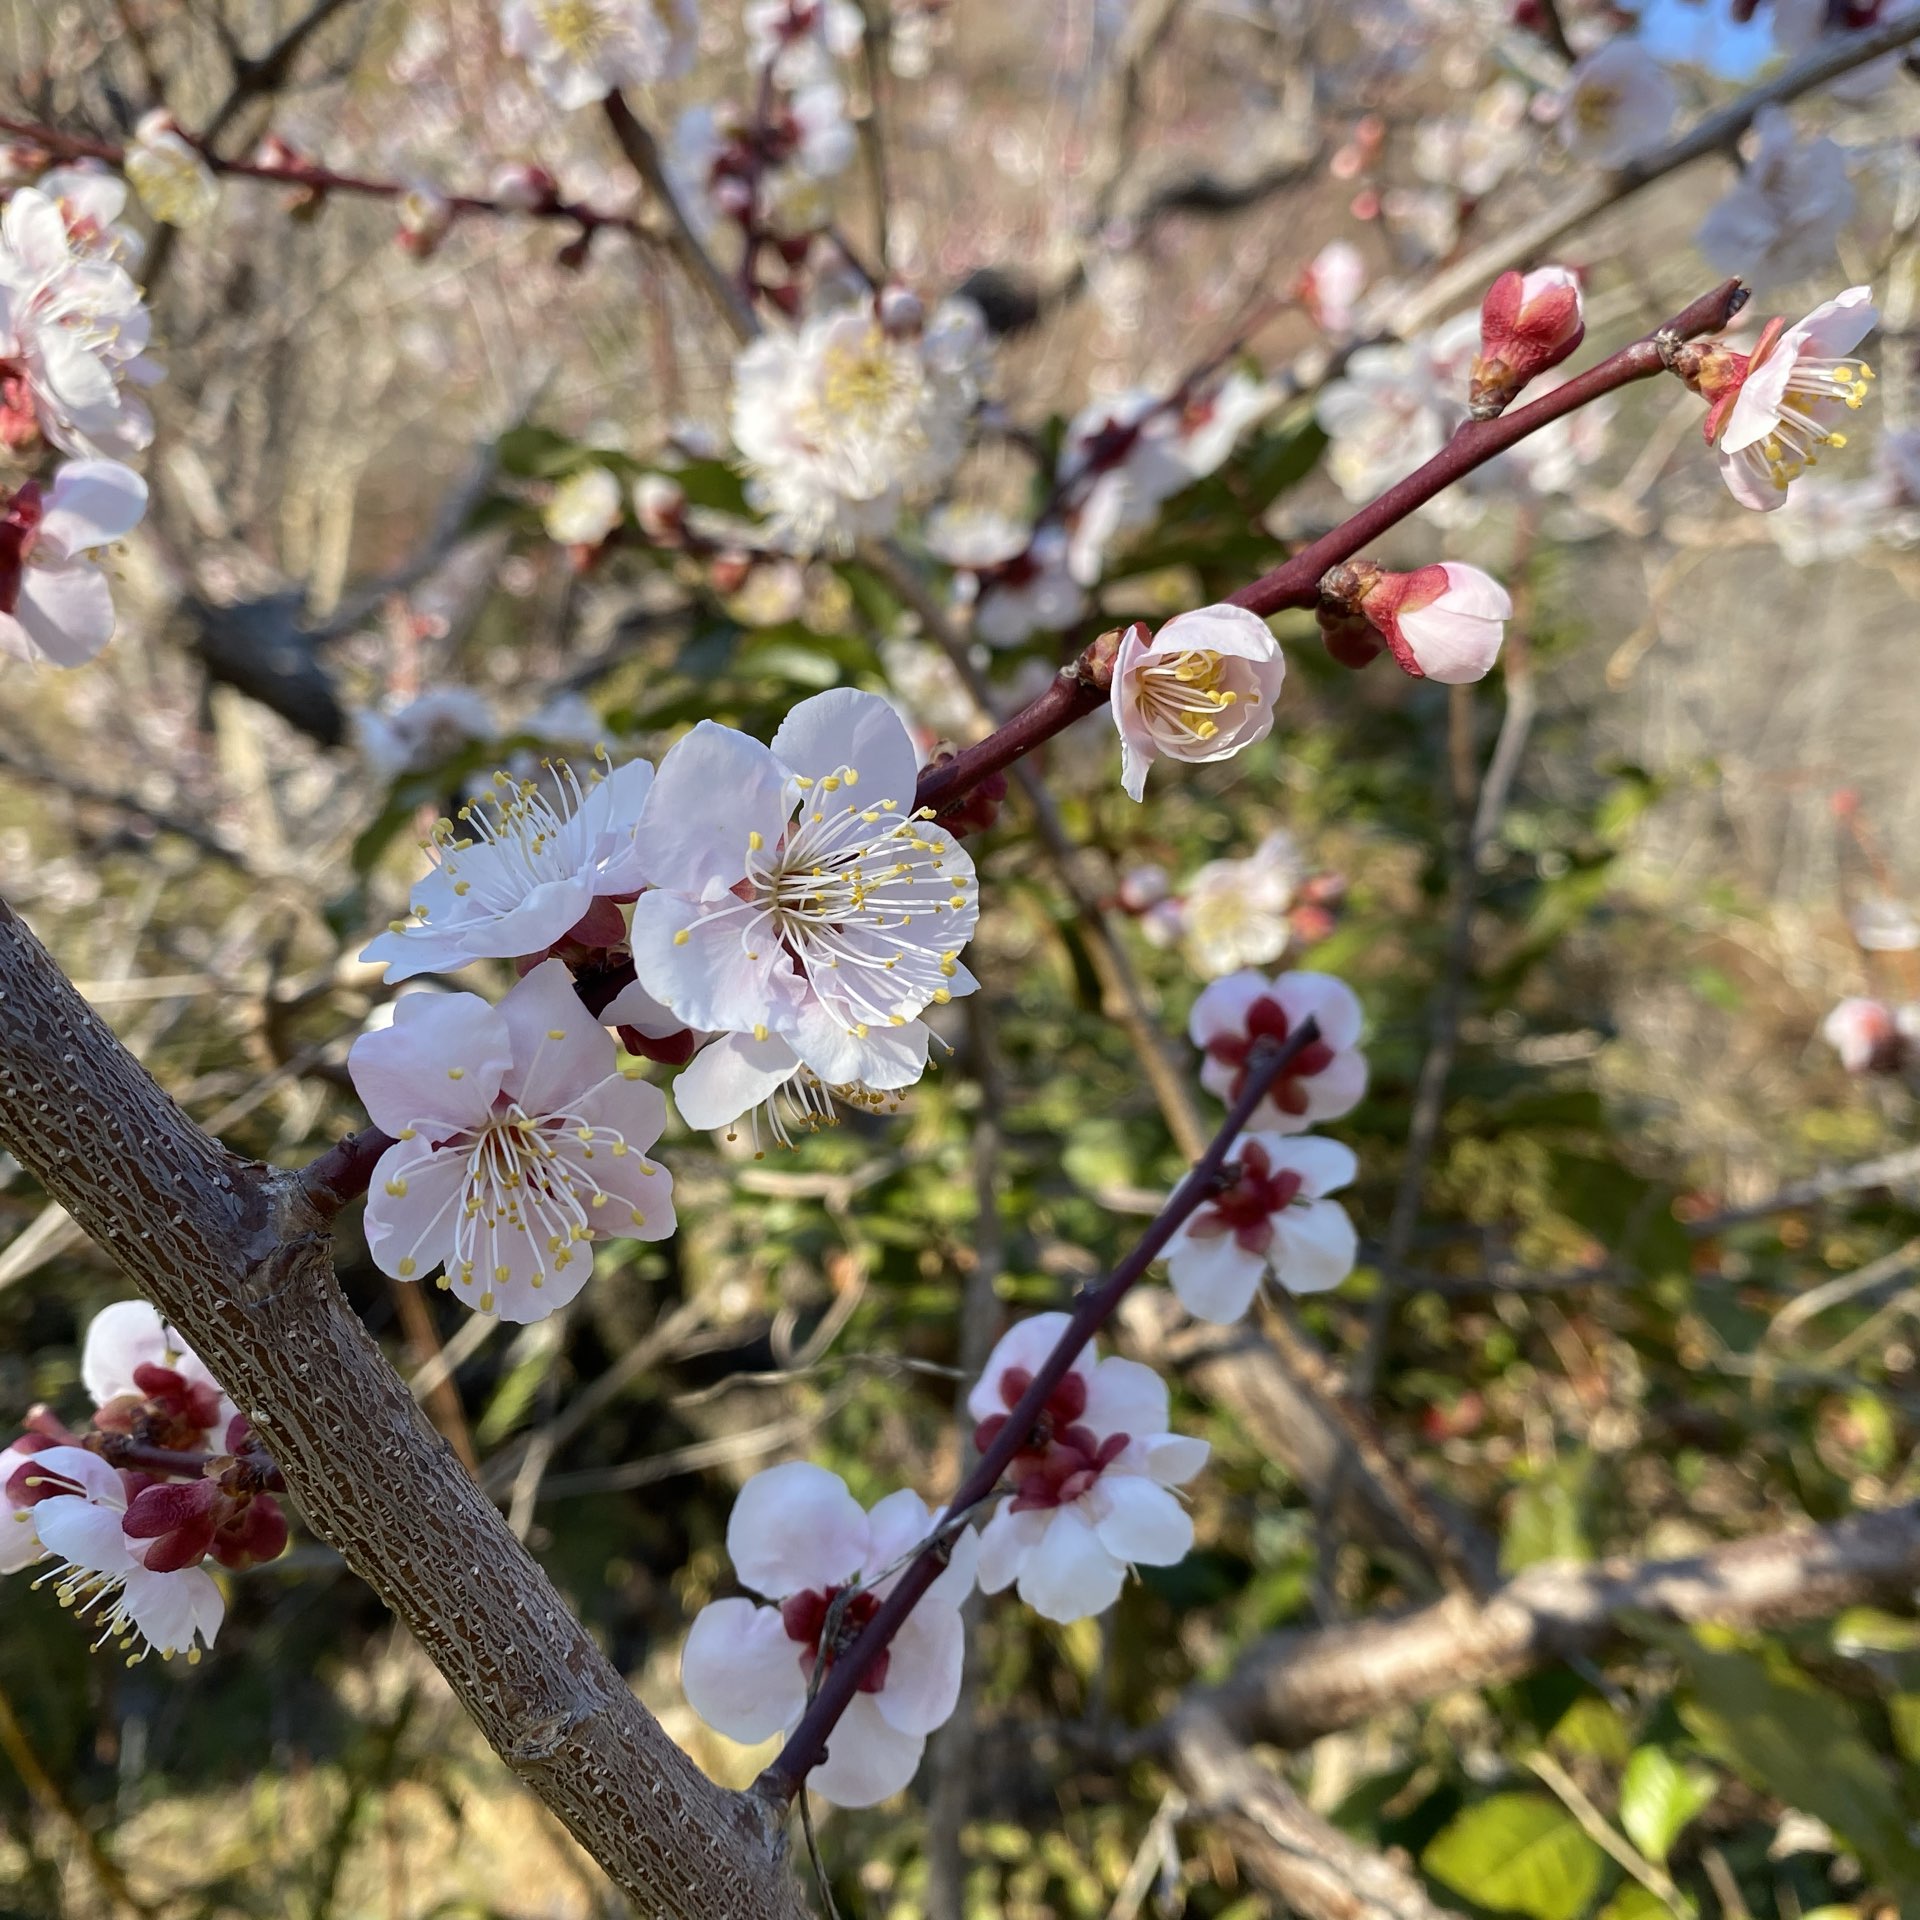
(425,217)
(1528,323)
(900,310)
(523,187)
(660,506)
(1444,622)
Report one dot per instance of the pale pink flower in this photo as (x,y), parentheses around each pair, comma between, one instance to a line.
(103,1572)
(1331,286)
(1619,102)
(56,607)
(798,894)
(517,869)
(518,1144)
(1772,410)
(1274,1219)
(1233,913)
(1444,622)
(799,1538)
(1528,323)
(1201,689)
(91,200)
(131,1356)
(1779,221)
(1091,1494)
(1866,1036)
(1325,1081)
(579,51)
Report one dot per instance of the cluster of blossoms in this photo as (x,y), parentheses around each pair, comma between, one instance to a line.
(1089,1493)
(126,1513)
(73,362)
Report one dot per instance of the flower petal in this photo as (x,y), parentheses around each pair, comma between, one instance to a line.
(732,1075)
(699,963)
(795,1527)
(559,1048)
(923,1670)
(867,1760)
(1143,1523)
(847,728)
(1214,1278)
(92,504)
(1005,1542)
(66,610)
(1125,1397)
(82,1534)
(740,1672)
(411,1232)
(120,1337)
(170,1609)
(1223,1006)
(1024,1344)
(1315,1246)
(1324,997)
(436,1068)
(714,788)
(1323,1165)
(1069,1575)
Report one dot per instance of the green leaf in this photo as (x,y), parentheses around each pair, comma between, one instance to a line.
(1545,1519)
(1634,1903)
(1658,1797)
(1519,1853)
(1801,1744)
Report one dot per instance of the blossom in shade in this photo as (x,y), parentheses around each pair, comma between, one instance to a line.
(410,736)
(1331,285)
(1779,221)
(797,892)
(1866,1035)
(585,508)
(579,51)
(1444,622)
(1325,1080)
(518,1144)
(79,1504)
(800,1539)
(1234,913)
(736,1076)
(518,868)
(56,607)
(1619,102)
(1091,1486)
(1275,1218)
(169,173)
(1769,412)
(1528,323)
(145,1380)
(1201,689)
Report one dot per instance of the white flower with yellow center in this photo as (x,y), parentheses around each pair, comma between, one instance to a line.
(519,1144)
(517,869)
(579,51)
(170,174)
(798,894)
(1201,689)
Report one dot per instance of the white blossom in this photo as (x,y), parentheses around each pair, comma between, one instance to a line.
(1781,218)
(56,607)
(579,51)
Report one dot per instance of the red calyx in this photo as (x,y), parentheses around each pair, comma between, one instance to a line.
(804,1616)
(1246,1208)
(1267,1020)
(17,527)
(671,1050)
(178,1518)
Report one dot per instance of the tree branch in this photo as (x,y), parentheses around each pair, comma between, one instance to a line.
(235,1255)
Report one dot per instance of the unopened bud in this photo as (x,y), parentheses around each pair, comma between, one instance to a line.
(900,311)
(1528,323)
(660,506)
(425,216)
(523,187)
(1444,622)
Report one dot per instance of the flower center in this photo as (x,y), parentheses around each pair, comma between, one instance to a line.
(806,1615)
(1815,390)
(1181,692)
(518,837)
(1594,107)
(1246,1208)
(574,26)
(1061,1459)
(1267,1020)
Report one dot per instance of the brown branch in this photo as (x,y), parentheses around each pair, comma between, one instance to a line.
(1290,1688)
(236,1255)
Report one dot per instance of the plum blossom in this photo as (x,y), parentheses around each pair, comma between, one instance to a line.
(1771,410)
(169,173)
(146,1381)
(411,736)
(1386,415)
(1780,219)
(1619,101)
(842,424)
(1015,579)
(1091,1486)
(78,1507)
(1118,463)
(1209,426)
(585,508)
(1326,1079)
(797,892)
(1443,622)
(518,1144)
(1202,689)
(579,51)
(56,607)
(1233,913)
(19,1544)
(1528,323)
(1331,285)
(1275,1219)
(736,1076)
(1867,1035)
(91,200)
(518,868)
(801,39)
(800,1539)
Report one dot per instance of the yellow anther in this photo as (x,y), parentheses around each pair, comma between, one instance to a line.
(556,1033)
(754,843)
(638,1218)
(456,1073)
(681,938)
(398,1188)
(406,1267)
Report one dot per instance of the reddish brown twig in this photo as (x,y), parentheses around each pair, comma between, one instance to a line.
(806,1745)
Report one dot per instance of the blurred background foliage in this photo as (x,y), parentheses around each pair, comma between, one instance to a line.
(1582,1342)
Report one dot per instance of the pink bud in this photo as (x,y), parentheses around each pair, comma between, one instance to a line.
(1528,322)
(1865,1035)
(1442,622)
(524,187)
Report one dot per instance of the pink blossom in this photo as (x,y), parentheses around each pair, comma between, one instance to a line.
(134,1363)
(1327,1078)
(1332,282)
(1091,1486)
(1619,101)
(1866,1035)
(1528,323)
(800,1539)
(1202,689)
(55,604)
(518,1144)
(1275,1219)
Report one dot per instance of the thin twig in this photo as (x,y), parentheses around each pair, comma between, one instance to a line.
(1595,1825)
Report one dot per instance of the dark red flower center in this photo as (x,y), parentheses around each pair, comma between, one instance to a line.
(1247,1207)
(1267,1020)
(18,525)
(1061,1459)
(805,1616)
(176,1413)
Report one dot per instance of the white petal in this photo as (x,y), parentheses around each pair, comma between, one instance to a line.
(120,1337)
(633,1006)
(796,1528)
(1170,1459)
(740,1672)
(1314,1247)
(711,978)
(963,1567)
(19,1544)
(1218,629)
(846,728)
(66,611)
(713,789)
(1223,1006)
(735,1073)
(1005,1542)
(1331,1093)
(1024,1344)
(895,1526)
(98,1482)
(1125,1397)
(1326,998)
(170,1609)
(1069,1575)
(1143,1523)
(923,1672)
(92,504)
(414,1229)
(867,1760)
(1215,1277)
(1323,1165)
(549,1075)
(83,1535)
(887,1059)
(437,1067)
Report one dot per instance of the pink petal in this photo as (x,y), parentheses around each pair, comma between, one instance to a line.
(729,975)
(713,789)
(436,1068)
(414,1230)
(794,1528)
(846,728)
(740,1672)
(93,503)
(549,1074)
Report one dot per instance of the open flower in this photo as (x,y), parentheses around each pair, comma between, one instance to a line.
(1444,622)
(766,1081)
(1327,1078)
(1091,1486)
(1770,411)
(1780,219)
(55,604)
(169,173)
(79,1505)
(585,508)
(1619,101)
(517,870)
(1867,1036)
(411,736)
(1528,323)
(1202,689)
(579,51)
(798,1537)
(518,1144)
(19,1544)
(146,1381)
(798,893)
(1275,1218)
